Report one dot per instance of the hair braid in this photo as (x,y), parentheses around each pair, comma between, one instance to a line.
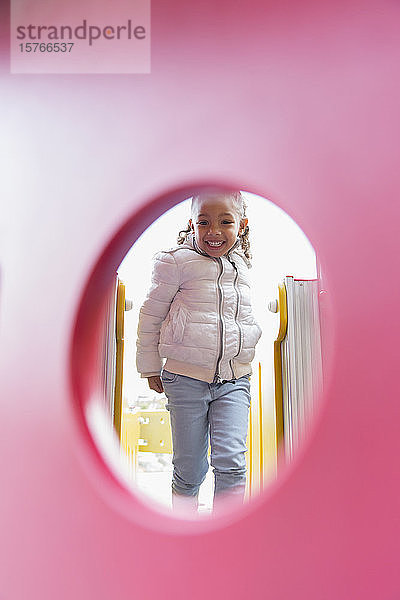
(245,242)
(183,234)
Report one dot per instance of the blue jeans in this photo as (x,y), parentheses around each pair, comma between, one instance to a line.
(199,410)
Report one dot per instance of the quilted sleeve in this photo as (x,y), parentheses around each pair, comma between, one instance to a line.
(164,286)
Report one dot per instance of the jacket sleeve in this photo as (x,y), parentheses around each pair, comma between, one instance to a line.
(164,286)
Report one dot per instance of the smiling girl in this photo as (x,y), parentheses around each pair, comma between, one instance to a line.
(197,316)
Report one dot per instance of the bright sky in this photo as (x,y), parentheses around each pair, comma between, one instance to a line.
(279,248)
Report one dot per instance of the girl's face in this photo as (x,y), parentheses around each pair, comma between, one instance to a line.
(216,224)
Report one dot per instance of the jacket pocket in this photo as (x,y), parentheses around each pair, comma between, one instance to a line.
(178,320)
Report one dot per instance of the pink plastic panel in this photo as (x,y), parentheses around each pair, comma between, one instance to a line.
(294,101)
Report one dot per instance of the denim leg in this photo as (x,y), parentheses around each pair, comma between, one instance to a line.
(228,417)
(188,406)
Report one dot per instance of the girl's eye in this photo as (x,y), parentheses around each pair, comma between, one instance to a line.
(227,222)
(201,222)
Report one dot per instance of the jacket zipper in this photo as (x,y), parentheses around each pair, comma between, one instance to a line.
(217,376)
(236,315)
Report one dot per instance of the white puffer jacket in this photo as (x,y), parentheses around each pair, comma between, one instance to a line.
(198,316)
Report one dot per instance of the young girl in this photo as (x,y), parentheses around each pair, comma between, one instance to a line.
(197,315)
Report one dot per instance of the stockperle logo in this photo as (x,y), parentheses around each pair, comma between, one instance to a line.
(75,38)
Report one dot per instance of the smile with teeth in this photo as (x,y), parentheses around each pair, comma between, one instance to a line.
(214,244)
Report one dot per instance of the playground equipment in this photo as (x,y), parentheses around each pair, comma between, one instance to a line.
(297,102)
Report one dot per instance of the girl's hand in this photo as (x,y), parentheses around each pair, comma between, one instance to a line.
(155,383)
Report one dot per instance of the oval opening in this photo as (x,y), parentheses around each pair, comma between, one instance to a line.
(128,422)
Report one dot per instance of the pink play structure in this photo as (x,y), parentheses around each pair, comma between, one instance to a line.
(298,102)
